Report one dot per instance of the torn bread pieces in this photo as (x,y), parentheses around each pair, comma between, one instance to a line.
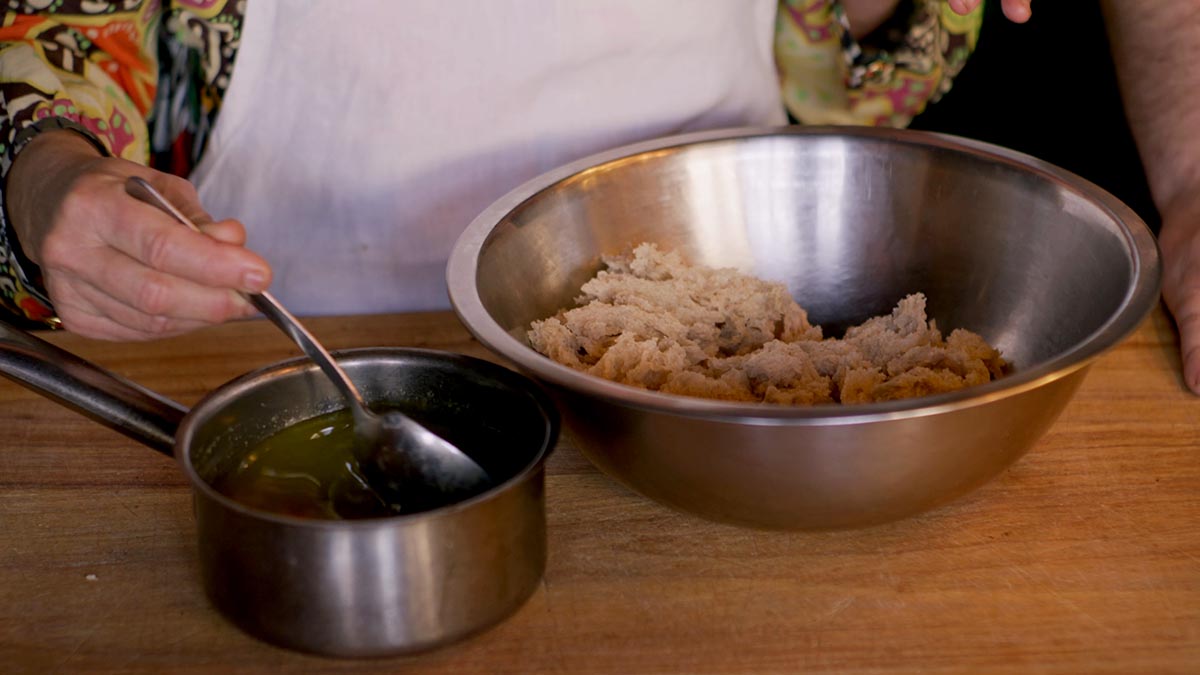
(652,321)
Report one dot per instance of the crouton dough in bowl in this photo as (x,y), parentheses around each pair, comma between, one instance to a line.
(650,320)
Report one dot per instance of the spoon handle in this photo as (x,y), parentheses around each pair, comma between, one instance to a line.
(266,303)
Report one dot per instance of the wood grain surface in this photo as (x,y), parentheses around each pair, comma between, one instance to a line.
(1082,557)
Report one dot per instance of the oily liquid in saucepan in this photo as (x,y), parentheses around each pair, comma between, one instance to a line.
(308,470)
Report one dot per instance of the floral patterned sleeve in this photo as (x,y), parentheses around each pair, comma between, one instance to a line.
(827,77)
(93,67)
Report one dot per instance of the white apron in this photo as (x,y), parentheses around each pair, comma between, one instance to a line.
(359,138)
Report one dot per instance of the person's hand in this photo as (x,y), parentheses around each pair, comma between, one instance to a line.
(117,268)
(1179,241)
(1017,11)
(865,16)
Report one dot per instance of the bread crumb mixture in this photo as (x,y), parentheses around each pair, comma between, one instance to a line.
(652,321)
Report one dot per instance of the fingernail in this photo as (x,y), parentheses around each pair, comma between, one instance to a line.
(254,281)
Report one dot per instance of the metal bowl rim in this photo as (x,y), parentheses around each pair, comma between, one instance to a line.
(1136,304)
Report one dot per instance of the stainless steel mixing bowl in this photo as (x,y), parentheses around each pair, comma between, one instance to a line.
(1046,266)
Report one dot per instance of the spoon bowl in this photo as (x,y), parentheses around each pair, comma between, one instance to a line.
(411,467)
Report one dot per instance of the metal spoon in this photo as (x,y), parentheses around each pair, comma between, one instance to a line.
(407,464)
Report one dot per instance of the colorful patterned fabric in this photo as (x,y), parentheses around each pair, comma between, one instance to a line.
(829,78)
(144,80)
(94,67)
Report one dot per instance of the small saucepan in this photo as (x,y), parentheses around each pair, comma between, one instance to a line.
(370,587)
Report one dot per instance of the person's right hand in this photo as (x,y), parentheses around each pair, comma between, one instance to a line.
(117,268)
(1017,11)
(1179,241)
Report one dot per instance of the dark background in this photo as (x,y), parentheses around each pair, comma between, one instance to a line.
(1047,88)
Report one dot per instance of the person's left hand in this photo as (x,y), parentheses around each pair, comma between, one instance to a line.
(1179,241)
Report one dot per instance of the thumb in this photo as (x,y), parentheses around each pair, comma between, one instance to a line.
(1187,319)
(1017,11)
(1179,244)
(182,195)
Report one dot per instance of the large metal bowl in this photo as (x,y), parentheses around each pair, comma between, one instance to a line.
(1046,266)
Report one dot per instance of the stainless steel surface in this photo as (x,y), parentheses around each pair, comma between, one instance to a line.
(1046,266)
(381,586)
(88,389)
(402,459)
(371,587)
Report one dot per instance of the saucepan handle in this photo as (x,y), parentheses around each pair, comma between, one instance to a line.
(105,397)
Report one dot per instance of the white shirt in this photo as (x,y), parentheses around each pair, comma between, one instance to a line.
(359,138)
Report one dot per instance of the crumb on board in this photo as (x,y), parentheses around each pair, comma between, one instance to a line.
(650,320)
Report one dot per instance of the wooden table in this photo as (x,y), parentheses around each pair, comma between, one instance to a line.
(1083,557)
